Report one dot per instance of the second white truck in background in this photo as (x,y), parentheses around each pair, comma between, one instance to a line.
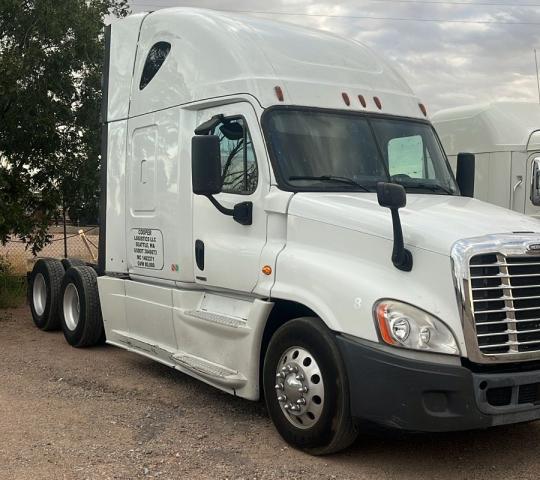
(505,138)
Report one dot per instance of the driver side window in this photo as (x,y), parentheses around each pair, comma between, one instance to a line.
(239,170)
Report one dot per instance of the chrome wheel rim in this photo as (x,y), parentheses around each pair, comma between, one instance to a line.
(39,294)
(300,387)
(71,307)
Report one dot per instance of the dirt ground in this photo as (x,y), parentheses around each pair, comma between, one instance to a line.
(104,413)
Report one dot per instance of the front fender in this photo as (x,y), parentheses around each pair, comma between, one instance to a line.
(340,273)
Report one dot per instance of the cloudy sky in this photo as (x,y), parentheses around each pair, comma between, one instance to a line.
(453,52)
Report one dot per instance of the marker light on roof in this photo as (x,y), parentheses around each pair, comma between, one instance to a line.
(423,109)
(362,100)
(279,93)
(377,101)
(346,99)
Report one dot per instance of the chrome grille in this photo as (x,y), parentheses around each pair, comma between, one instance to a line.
(505,296)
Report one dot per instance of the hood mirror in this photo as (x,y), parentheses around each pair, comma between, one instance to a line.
(391,195)
(535,182)
(394,197)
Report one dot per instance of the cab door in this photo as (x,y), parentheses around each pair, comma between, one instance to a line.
(227,254)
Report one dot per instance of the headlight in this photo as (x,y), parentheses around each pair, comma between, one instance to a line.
(402,325)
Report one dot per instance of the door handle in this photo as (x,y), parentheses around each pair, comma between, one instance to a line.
(518,183)
(143,176)
(514,188)
(199,254)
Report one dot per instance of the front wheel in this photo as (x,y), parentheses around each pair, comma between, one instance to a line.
(306,388)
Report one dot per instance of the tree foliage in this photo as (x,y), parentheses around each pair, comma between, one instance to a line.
(51,55)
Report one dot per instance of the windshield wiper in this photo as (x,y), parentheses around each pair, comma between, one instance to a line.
(332,178)
(434,187)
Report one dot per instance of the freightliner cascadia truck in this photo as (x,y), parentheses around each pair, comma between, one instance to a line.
(280,221)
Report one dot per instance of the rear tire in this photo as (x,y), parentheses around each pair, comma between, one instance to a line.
(303,357)
(81,318)
(72,262)
(44,295)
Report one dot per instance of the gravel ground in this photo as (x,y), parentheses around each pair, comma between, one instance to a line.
(105,413)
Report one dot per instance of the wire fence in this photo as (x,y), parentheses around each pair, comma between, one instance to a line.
(72,242)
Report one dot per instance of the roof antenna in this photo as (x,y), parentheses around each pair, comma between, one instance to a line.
(537,73)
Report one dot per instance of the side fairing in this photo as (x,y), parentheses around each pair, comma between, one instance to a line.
(115,232)
(123,49)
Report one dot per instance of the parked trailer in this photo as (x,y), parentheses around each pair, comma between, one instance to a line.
(280,221)
(505,137)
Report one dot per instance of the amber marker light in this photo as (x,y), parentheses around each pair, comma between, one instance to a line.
(279,93)
(378,102)
(267,270)
(362,101)
(346,99)
(423,109)
(382,319)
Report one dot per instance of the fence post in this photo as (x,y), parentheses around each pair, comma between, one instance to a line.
(65,230)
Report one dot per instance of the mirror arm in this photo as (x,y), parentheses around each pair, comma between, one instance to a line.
(401,257)
(242,212)
(225,211)
(206,127)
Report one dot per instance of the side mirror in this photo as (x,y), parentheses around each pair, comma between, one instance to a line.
(206,177)
(394,197)
(206,165)
(391,195)
(465,174)
(535,182)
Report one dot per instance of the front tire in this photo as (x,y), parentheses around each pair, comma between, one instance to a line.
(81,318)
(306,388)
(44,296)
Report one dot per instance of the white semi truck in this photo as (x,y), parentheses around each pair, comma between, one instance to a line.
(505,138)
(279,220)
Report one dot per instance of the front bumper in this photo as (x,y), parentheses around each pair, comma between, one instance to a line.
(410,394)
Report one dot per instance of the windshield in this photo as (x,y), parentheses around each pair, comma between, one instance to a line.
(317,150)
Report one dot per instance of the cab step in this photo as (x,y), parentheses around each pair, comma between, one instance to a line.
(212,371)
(220,319)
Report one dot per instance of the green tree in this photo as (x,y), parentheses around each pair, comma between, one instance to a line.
(51,55)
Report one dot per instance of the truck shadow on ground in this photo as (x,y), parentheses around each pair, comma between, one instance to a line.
(465,453)
(479,451)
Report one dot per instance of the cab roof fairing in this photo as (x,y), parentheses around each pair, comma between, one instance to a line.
(217,54)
